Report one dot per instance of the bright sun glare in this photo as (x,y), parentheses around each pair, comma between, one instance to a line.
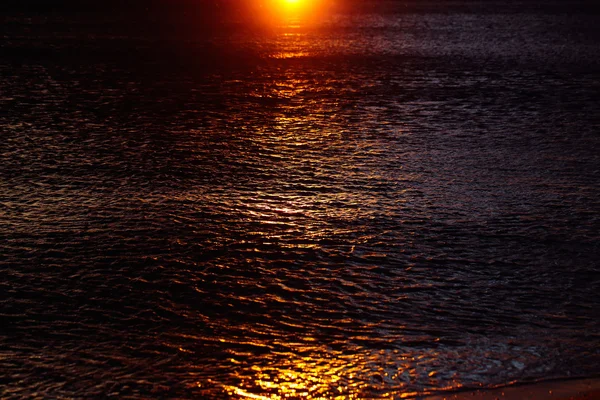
(307,11)
(298,6)
(291,3)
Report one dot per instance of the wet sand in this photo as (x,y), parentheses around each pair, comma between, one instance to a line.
(580,389)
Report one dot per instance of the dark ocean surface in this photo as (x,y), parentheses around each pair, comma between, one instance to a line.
(386,202)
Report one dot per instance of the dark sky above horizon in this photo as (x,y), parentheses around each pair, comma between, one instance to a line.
(562,6)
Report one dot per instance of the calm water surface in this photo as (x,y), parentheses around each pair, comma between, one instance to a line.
(385,204)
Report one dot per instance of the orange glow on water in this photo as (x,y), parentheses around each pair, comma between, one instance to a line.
(311,370)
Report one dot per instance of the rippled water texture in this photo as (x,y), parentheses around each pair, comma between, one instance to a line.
(383,204)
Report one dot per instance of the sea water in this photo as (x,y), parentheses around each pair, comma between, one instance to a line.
(394,201)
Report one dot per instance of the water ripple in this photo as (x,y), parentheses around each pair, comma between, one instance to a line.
(380,206)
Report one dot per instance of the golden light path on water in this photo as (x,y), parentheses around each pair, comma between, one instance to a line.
(310,367)
(297,373)
(309,370)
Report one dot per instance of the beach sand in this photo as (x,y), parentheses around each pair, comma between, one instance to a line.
(580,389)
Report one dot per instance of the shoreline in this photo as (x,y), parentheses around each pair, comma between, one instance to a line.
(571,389)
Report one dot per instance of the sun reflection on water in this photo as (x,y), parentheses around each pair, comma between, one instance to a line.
(291,360)
(292,40)
(319,372)
(301,377)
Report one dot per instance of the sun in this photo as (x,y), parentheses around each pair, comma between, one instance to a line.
(282,11)
(291,3)
(290,8)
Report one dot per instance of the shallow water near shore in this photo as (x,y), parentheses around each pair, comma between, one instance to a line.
(383,204)
(571,389)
